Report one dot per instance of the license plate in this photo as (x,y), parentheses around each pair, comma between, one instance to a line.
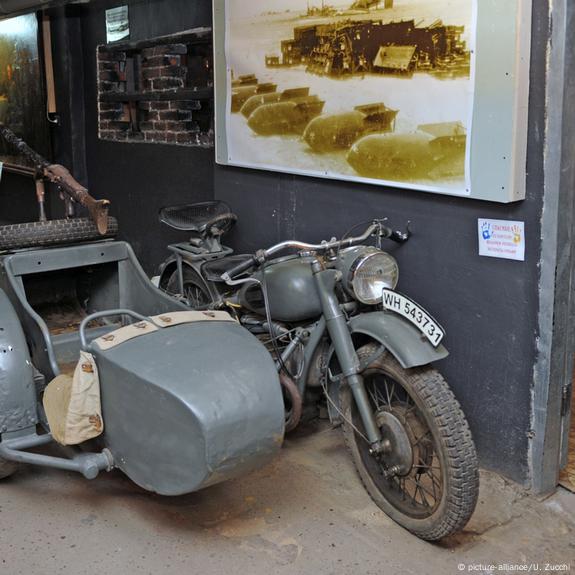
(393,301)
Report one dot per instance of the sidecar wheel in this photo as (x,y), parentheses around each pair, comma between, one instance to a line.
(7,468)
(195,290)
(428,478)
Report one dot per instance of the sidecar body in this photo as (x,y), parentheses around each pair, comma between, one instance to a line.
(188,399)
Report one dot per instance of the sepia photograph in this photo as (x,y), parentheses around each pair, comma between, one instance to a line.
(375,91)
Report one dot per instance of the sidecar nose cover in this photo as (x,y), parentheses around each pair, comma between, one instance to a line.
(191,405)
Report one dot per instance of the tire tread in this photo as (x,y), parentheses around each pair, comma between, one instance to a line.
(52,232)
(462,466)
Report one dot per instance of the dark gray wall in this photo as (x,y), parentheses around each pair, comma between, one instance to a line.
(488,306)
(138,178)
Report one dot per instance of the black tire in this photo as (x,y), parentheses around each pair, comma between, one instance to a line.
(446,442)
(196,292)
(7,468)
(52,232)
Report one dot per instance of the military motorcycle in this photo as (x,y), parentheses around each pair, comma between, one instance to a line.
(335,324)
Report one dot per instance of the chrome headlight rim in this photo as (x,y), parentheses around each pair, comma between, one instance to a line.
(360,261)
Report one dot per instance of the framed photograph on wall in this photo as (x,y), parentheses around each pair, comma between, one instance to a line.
(420,94)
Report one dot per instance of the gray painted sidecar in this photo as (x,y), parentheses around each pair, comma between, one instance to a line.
(183,407)
(204,399)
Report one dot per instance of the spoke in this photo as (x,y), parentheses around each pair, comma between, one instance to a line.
(434,480)
(378,394)
(415,493)
(425,490)
(433,486)
(413,497)
(410,409)
(420,438)
(387,392)
(402,487)
(422,491)
(374,398)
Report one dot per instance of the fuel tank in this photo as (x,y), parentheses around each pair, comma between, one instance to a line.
(291,291)
(190,406)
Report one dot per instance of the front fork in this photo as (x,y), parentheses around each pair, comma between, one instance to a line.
(345,351)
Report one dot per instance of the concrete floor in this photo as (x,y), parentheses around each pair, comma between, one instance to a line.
(304,513)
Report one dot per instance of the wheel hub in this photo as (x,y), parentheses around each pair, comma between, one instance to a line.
(398,454)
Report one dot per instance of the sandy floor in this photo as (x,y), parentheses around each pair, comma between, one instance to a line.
(304,513)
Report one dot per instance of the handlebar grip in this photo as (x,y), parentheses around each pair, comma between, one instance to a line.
(240,268)
(399,237)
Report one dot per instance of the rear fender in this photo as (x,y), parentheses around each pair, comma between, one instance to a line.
(169,266)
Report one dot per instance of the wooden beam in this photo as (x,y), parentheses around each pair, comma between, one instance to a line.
(48,64)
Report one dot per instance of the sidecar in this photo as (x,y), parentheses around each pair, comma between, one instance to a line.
(96,357)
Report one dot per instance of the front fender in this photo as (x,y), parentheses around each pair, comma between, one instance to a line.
(400,338)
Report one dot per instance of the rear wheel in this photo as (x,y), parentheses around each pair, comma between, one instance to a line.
(427,479)
(7,468)
(195,293)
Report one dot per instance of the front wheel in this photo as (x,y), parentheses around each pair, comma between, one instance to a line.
(427,477)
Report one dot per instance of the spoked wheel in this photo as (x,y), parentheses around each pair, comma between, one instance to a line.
(7,468)
(427,478)
(196,293)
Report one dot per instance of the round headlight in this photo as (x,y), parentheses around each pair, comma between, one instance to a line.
(370,272)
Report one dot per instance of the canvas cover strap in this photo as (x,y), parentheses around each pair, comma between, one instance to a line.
(164,320)
(179,317)
(72,404)
(124,334)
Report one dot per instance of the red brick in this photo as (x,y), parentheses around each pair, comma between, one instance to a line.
(163,84)
(154,72)
(110,115)
(156,61)
(159,105)
(184,138)
(107,106)
(170,115)
(109,66)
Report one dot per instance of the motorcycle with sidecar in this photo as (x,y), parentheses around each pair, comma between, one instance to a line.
(96,360)
(338,329)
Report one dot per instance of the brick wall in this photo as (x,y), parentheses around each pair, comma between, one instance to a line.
(159,71)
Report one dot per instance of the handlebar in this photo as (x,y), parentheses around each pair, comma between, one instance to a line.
(376,228)
(240,268)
